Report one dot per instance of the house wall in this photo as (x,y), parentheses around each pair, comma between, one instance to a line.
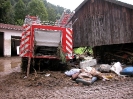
(7,40)
(100,22)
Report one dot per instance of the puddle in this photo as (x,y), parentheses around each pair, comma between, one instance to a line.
(9,65)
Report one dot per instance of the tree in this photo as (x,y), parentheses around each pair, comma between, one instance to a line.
(6,12)
(26,1)
(20,12)
(10,16)
(51,14)
(37,8)
(12,2)
(45,3)
(14,11)
(60,10)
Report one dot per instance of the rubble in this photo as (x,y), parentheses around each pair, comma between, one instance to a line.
(89,71)
(88,63)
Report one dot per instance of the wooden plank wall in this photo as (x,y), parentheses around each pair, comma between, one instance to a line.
(102,23)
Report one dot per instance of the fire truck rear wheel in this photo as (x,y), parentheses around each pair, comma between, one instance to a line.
(24,63)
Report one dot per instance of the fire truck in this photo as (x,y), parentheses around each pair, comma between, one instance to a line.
(45,46)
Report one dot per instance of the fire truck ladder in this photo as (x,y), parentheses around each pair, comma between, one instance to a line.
(64,19)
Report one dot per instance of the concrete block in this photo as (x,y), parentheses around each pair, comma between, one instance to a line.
(87,63)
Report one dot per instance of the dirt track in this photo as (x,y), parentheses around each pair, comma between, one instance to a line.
(59,86)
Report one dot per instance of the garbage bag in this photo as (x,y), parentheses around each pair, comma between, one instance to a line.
(127,71)
(72,71)
(117,68)
(86,82)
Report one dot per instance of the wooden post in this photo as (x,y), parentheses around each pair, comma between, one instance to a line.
(28,67)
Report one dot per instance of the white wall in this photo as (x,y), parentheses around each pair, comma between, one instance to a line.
(7,40)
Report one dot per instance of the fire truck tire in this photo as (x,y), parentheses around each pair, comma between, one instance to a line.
(24,63)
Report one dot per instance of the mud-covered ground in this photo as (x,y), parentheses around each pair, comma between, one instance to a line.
(59,86)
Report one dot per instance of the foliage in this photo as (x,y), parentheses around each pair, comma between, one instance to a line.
(51,14)
(14,11)
(6,12)
(20,12)
(37,8)
(61,54)
(82,50)
(19,22)
(57,10)
(10,16)
(12,2)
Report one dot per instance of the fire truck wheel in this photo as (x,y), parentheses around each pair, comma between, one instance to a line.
(24,63)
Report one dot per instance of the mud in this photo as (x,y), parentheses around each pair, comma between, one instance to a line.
(56,85)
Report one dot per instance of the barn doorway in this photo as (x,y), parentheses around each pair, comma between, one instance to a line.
(15,43)
(1,44)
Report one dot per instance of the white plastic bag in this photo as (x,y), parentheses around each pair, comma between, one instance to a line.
(72,71)
(117,68)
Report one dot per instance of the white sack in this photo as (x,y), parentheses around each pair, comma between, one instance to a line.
(117,68)
(72,71)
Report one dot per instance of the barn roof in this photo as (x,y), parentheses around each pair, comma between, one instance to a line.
(111,1)
(11,27)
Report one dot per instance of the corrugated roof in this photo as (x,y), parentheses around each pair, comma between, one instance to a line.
(11,27)
(111,1)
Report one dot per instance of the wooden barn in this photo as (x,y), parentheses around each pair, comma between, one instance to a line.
(106,26)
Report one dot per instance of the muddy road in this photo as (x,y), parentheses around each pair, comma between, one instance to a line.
(56,85)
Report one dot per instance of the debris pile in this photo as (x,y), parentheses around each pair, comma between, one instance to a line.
(87,71)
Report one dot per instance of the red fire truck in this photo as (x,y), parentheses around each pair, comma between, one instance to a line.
(43,45)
